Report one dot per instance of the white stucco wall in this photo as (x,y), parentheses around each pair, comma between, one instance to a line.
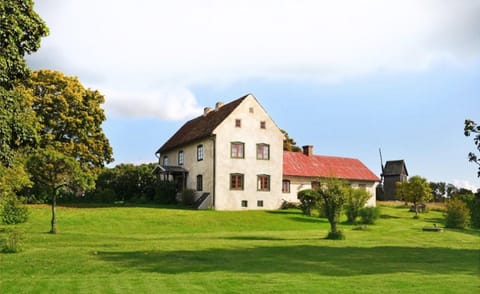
(298,184)
(250,134)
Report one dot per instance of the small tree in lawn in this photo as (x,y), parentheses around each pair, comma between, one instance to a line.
(56,172)
(332,191)
(355,200)
(416,190)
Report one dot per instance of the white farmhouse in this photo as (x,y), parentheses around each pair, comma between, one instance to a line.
(233,157)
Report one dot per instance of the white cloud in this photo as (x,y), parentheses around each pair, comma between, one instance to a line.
(465,184)
(137,45)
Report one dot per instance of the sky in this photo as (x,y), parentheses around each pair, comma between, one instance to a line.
(348,77)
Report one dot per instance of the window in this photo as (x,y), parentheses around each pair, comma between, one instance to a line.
(263,183)
(362,186)
(259,203)
(238,123)
(263,151)
(165,161)
(237,150)
(180,158)
(236,182)
(315,185)
(199,152)
(244,203)
(286,186)
(199,183)
(263,124)
(251,109)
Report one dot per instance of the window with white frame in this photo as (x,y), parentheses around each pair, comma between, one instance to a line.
(165,161)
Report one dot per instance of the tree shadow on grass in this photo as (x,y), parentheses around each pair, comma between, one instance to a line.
(327,261)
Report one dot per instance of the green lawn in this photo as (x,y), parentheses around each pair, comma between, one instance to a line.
(169,250)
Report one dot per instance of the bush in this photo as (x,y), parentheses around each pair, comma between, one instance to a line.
(369,215)
(308,200)
(287,205)
(356,200)
(188,197)
(14,242)
(457,214)
(12,212)
(338,235)
(165,192)
(474,207)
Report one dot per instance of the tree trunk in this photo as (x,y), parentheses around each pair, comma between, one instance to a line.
(53,230)
(416,209)
(333,226)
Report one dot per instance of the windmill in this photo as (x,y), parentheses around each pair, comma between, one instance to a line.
(380,194)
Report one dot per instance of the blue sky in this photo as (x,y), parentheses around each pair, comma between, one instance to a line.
(348,77)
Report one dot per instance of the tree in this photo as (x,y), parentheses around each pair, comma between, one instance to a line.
(416,190)
(355,200)
(472,128)
(70,118)
(289,144)
(308,200)
(439,190)
(21,29)
(332,191)
(55,172)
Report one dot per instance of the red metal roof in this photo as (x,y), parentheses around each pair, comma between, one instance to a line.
(299,164)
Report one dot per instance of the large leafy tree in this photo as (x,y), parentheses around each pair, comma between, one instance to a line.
(21,29)
(289,144)
(472,128)
(20,32)
(56,172)
(70,118)
(416,190)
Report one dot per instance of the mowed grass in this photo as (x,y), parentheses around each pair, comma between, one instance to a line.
(170,250)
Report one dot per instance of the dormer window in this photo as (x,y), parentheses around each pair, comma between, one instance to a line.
(238,123)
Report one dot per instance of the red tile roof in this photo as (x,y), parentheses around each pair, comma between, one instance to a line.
(200,127)
(299,164)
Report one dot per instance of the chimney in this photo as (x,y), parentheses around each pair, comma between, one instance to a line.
(206,111)
(218,105)
(308,150)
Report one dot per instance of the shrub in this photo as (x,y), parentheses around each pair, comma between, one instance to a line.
(188,197)
(457,214)
(369,215)
(287,205)
(12,212)
(356,199)
(308,200)
(165,192)
(474,207)
(14,242)
(338,235)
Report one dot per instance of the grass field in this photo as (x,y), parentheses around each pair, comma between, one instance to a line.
(169,250)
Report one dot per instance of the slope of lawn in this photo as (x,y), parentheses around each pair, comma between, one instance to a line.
(170,250)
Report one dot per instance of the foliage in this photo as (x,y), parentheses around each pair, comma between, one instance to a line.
(416,190)
(13,179)
(165,192)
(472,128)
(12,211)
(289,205)
(308,200)
(457,214)
(188,197)
(55,172)
(369,215)
(21,29)
(289,144)
(439,190)
(474,206)
(332,192)
(70,118)
(14,241)
(337,235)
(355,200)
(17,125)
